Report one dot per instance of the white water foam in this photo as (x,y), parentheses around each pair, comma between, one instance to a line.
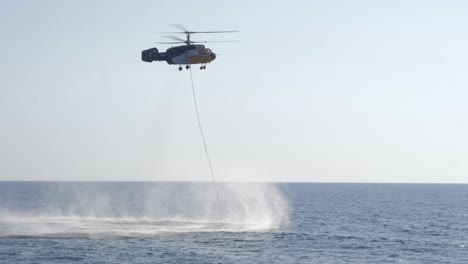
(95,211)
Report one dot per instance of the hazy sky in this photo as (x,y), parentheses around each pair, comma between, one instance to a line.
(353,91)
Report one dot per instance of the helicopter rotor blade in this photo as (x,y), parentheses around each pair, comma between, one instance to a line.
(186,32)
(175,42)
(210,32)
(179,27)
(215,41)
(195,32)
(166,32)
(174,38)
(194,42)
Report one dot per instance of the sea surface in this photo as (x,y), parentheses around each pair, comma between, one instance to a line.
(141,222)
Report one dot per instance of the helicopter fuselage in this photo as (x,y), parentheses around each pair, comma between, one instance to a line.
(180,55)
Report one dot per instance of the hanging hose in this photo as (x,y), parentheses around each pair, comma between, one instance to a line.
(206,148)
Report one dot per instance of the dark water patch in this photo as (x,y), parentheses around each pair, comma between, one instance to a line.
(60,259)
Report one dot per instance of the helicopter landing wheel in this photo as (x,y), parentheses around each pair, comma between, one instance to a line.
(187,67)
(202,67)
(180,68)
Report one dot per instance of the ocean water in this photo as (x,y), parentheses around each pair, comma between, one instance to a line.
(121,222)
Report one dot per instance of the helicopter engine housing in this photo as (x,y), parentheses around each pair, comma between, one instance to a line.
(150,55)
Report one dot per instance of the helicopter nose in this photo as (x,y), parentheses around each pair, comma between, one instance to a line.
(213,56)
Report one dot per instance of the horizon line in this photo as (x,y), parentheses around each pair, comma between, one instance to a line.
(155,181)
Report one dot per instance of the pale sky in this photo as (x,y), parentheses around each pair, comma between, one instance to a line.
(316,91)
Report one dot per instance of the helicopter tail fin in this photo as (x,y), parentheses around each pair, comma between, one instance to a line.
(150,55)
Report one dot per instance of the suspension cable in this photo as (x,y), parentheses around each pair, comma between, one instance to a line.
(204,145)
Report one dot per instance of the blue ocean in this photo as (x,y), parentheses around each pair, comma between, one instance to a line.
(149,222)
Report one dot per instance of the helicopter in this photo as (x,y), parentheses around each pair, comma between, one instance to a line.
(193,52)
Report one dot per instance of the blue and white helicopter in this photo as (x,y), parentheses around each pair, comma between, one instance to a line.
(191,53)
